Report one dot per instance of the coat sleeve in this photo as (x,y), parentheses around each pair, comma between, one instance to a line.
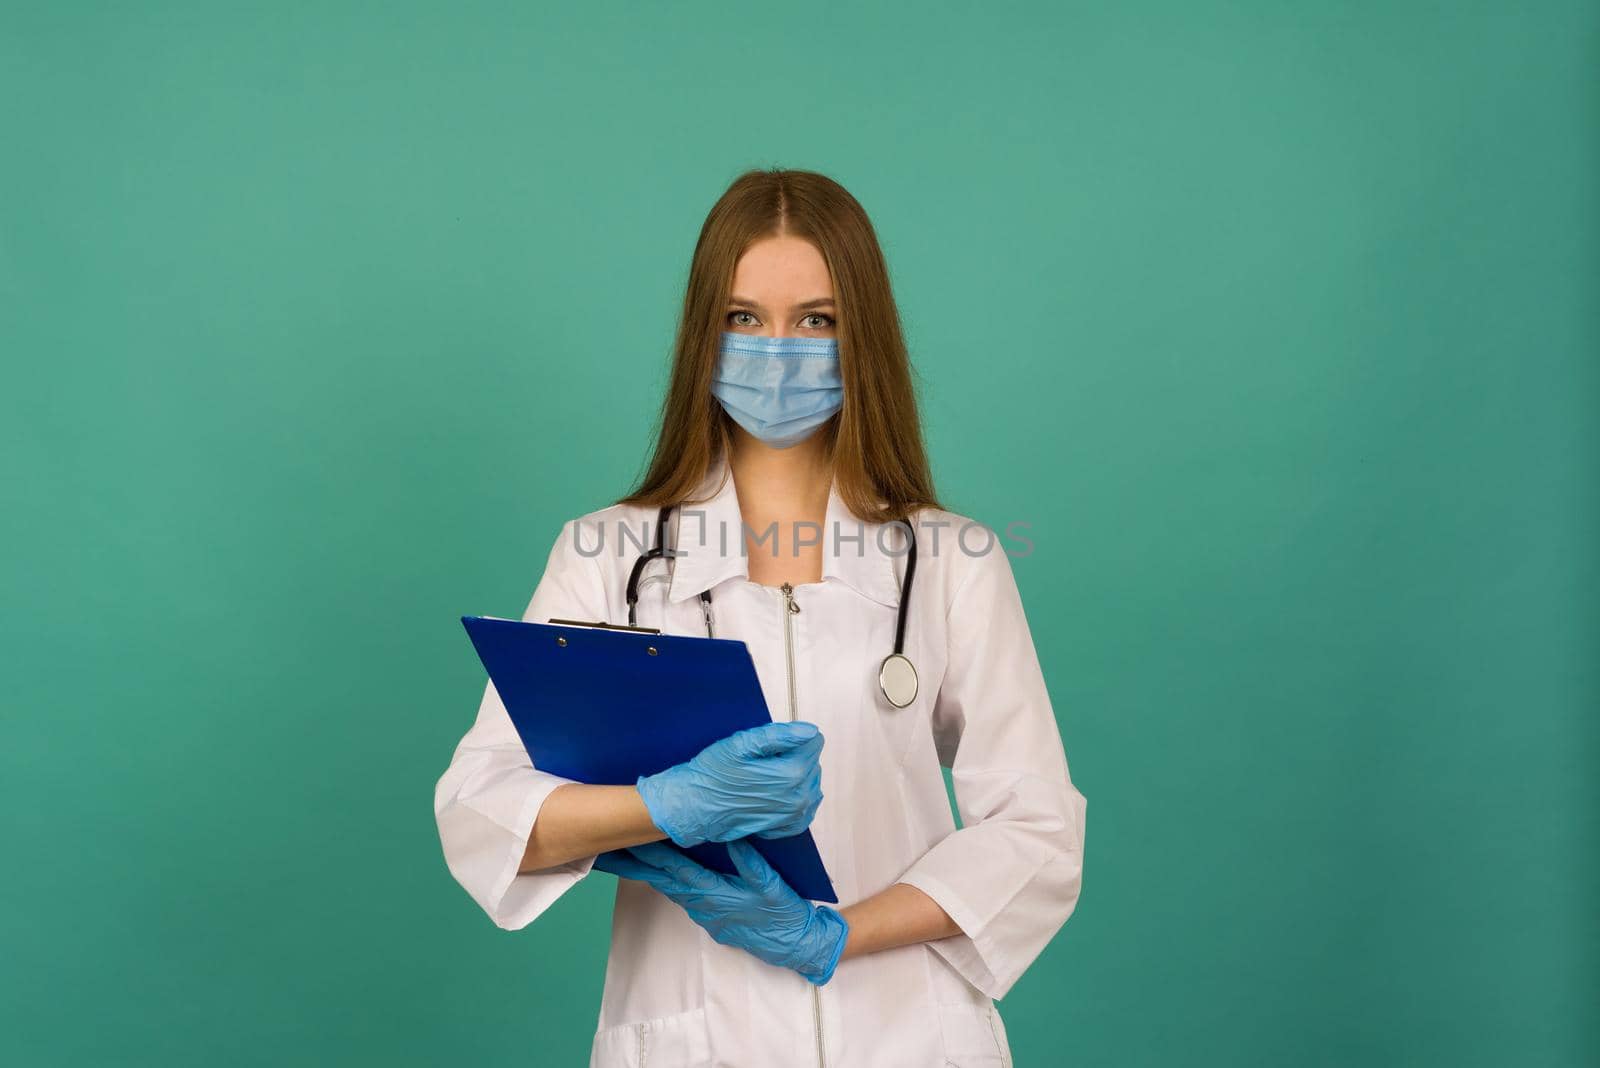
(1011,875)
(488,798)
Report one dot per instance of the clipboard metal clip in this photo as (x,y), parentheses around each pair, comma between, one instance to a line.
(598,625)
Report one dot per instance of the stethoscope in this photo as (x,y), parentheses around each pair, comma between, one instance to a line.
(897,676)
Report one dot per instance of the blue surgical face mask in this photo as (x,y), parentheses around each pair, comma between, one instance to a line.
(780,389)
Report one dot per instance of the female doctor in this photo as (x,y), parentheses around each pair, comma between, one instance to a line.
(788,482)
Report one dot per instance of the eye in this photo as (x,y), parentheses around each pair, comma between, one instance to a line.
(827,320)
(733,317)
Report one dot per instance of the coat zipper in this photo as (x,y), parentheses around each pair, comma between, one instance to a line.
(791,609)
(998,1045)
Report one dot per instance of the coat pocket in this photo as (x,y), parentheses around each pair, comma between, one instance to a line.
(974,1037)
(678,1041)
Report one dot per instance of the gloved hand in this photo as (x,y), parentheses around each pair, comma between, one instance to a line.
(763,781)
(755,910)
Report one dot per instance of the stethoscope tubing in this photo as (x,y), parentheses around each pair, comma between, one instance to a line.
(898,683)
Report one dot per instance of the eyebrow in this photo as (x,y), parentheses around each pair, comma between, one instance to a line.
(815,303)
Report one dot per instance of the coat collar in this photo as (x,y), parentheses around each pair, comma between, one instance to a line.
(709,539)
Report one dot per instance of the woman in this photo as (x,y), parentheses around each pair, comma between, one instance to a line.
(791,465)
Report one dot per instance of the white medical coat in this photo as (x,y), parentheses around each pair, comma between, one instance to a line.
(1009,877)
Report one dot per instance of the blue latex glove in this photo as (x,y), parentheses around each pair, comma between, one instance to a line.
(763,781)
(755,910)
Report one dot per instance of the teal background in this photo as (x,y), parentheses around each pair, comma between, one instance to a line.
(1277,322)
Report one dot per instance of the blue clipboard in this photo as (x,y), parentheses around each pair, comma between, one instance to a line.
(604,704)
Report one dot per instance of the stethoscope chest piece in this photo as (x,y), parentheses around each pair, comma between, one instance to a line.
(898,680)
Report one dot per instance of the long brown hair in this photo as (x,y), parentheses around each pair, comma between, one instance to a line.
(875,442)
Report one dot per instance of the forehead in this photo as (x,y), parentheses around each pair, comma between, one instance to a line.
(782,271)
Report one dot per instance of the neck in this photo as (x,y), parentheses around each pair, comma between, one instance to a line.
(782,485)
